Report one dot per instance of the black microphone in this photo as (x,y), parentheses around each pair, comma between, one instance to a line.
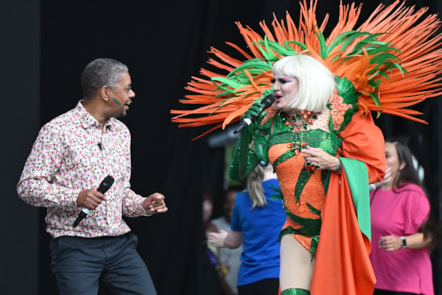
(104,186)
(265,103)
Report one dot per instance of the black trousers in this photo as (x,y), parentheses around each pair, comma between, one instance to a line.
(81,265)
(263,287)
(384,292)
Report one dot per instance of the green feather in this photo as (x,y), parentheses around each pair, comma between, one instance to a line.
(254,65)
(375,99)
(347,91)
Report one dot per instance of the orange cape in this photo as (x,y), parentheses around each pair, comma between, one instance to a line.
(342,259)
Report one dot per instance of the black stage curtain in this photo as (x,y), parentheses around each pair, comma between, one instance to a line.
(164,43)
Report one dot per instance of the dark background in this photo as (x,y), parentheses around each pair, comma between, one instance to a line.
(45,45)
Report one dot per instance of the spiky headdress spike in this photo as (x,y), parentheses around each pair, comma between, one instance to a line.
(393,61)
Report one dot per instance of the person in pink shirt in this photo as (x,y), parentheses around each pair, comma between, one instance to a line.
(72,155)
(403,231)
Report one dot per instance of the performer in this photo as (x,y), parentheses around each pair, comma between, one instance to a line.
(72,154)
(319,135)
(312,155)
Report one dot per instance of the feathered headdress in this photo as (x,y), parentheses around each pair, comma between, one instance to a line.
(393,61)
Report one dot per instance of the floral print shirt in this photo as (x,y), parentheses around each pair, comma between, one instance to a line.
(72,153)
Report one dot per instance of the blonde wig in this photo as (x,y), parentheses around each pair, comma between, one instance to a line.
(316,82)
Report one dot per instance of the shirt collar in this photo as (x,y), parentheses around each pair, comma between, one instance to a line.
(87,120)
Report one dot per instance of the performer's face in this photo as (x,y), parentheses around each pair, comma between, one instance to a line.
(285,89)
(122,94)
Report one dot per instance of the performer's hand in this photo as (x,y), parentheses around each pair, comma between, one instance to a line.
(90,199)
(253,111)
(155,203)
(320,159)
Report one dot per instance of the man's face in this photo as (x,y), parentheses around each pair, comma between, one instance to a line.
(122,94)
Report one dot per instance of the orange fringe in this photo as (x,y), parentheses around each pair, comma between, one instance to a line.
(410,31)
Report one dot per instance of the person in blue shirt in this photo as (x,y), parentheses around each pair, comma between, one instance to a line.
(258,217)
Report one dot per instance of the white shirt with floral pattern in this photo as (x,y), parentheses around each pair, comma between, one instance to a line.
(72,153)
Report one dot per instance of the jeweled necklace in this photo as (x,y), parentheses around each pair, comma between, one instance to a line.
(301,119)
(294,124)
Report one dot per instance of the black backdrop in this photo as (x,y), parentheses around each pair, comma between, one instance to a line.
(164,43)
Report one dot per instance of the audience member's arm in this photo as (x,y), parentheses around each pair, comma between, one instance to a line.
(414,241)
(231,239)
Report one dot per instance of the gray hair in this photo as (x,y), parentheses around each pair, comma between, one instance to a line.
(316,82)
(101,72)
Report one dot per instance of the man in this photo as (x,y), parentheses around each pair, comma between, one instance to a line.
(71,156)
